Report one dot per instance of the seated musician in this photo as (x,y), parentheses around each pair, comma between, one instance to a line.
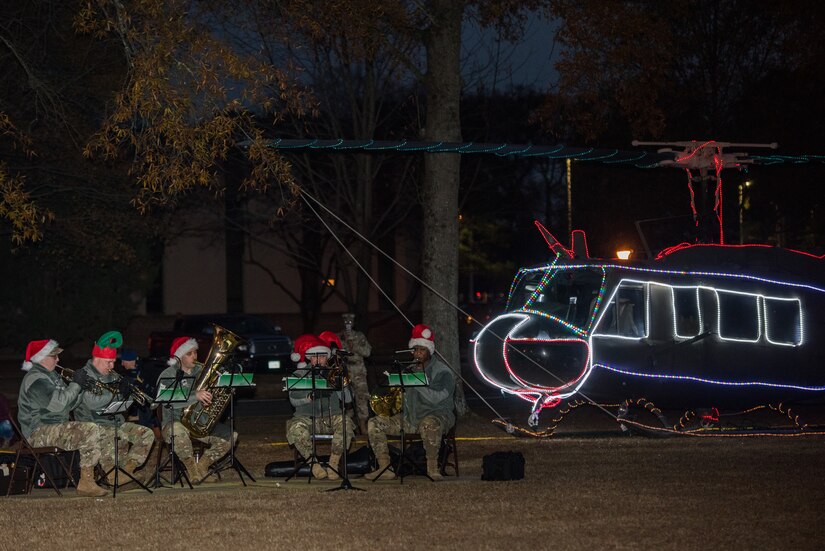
(183,363)
(44,404)
(135,440)
(428,410)
(323,405)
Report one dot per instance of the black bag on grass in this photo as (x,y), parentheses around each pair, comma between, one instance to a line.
(503,466)
(359,461)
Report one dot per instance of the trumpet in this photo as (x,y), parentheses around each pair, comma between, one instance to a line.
(94,386)
(113,387)
(140,397)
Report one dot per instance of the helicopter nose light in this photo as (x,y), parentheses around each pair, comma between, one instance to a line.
(624,254)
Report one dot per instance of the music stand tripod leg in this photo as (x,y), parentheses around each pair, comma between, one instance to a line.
(177,470)
(345,482)
(404,456)
(313,458)
(233,462)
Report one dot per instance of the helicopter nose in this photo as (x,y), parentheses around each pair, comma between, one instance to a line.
(488,350)
(521,351)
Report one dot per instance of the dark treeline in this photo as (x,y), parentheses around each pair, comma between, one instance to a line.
(732,71)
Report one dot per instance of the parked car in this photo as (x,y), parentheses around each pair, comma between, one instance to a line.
(266,348)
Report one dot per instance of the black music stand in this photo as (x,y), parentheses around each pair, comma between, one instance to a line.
(309,380)
(404,378)
(232,381)
(172,391)
(113,411)
(339,383)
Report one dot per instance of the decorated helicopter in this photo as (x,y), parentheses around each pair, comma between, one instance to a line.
(702,325)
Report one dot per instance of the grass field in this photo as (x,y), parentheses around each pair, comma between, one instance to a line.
(586,488)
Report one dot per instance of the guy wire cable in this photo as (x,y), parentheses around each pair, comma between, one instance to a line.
(391,301)
(510,427)
(306,196)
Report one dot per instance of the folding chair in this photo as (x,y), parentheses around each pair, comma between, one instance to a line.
(452,450)
(447,450)
(25,450)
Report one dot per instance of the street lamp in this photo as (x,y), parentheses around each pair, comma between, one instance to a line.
(742,187)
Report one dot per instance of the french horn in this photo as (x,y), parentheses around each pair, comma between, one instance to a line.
(386,404)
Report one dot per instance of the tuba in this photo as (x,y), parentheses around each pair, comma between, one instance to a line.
(200,419)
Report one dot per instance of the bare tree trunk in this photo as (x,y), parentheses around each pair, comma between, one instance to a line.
(235,235)
(441,180)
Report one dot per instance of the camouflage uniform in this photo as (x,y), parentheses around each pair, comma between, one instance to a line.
(135,440)
(356,343)
(218,441)
(326,409)
(44,404)
(428,411)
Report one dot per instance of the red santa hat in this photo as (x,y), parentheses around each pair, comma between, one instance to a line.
(331,338)
(422,336)
(36,351)
(180,347)
(308,344)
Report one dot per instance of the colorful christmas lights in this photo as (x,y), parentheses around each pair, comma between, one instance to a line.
(767,329)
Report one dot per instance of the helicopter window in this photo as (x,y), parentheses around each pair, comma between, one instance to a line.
(625,314)
(783,321)
(738,316)
(686,315)
(564,294)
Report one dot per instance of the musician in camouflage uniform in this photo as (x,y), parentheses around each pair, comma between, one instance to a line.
(183,363)
(428,410)
(355,342)
(322,407)
(44,403)
(135,440)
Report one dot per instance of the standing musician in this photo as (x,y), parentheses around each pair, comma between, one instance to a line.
(44,403)
(355,342)
(183,364)
(428,410)
(324,406)
(135,440)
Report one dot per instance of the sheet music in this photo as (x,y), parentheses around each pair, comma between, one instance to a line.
(118,406)
(417,378)
(182,389)
(235,380)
